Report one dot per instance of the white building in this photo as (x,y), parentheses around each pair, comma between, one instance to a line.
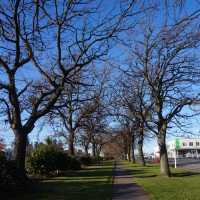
(184,147)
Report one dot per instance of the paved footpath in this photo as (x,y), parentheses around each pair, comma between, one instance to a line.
(124,188)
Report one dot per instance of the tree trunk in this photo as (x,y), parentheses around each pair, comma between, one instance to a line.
(98,150)
(86,146)
(129,145)
(20,150)
(129,153)
(93,149)
(133,148)
(140,149)
(164,164)
(125,148)
(71,143)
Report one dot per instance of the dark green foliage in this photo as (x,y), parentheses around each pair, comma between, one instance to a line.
(11,178)
(47,159)
(75,164)
(89,160)
(5,177)
(97,160)
(2,158)
(86,160)
(2,164)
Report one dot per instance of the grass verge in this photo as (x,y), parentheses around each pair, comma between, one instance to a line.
(183,185)
(94,182)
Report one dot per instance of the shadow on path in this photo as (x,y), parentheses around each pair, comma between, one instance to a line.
(124,188)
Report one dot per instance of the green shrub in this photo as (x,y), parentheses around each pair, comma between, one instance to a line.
(97,160)
(89,160)
(75,164)
(3,164)
(46,159)
(10,176)
(86,160)
(2,157)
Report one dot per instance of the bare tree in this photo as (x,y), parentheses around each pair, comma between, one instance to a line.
(80,107)
(126,127)
(84,140)
(114,148)
(165,58)
(43,45)
(76,108)
(94,125)
(127,137)
(134,99)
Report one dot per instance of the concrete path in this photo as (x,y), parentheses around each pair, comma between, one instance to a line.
(124,188)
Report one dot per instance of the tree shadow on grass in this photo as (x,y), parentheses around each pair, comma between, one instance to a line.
(147,176)
(136,173)
(96,168)
(63,190)
(99,172)
(143,173)
(83,184)
(184,174)
(93,173)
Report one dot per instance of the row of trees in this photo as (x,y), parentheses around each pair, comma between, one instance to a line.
(79,88)
(160,84)
(47,47)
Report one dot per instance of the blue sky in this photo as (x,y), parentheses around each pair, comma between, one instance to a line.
(46,131)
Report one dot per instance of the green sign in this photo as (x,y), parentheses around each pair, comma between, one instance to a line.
(177,144)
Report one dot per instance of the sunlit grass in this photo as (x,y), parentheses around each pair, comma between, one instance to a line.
(183,185)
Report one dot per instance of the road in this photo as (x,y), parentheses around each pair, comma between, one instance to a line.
(191,164)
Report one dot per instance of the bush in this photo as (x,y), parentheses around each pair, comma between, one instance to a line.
(3,164)
(86,160)
(10,176)
(2,160)
(89,160)
(75,164)
(48,159)
(97,160)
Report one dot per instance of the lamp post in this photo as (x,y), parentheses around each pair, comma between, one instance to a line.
(177,146)
(175,165)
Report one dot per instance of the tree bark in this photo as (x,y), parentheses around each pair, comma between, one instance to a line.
(129,153)
(164,164)
(71,143)
(86,149)
(125,147)
(133,148)
(93,149)
(140,148)
(20,150)
(98,150)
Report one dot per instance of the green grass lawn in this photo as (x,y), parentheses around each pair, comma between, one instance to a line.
(92,183)
(183,185)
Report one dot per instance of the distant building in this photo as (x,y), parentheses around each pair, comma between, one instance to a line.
(184,147)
